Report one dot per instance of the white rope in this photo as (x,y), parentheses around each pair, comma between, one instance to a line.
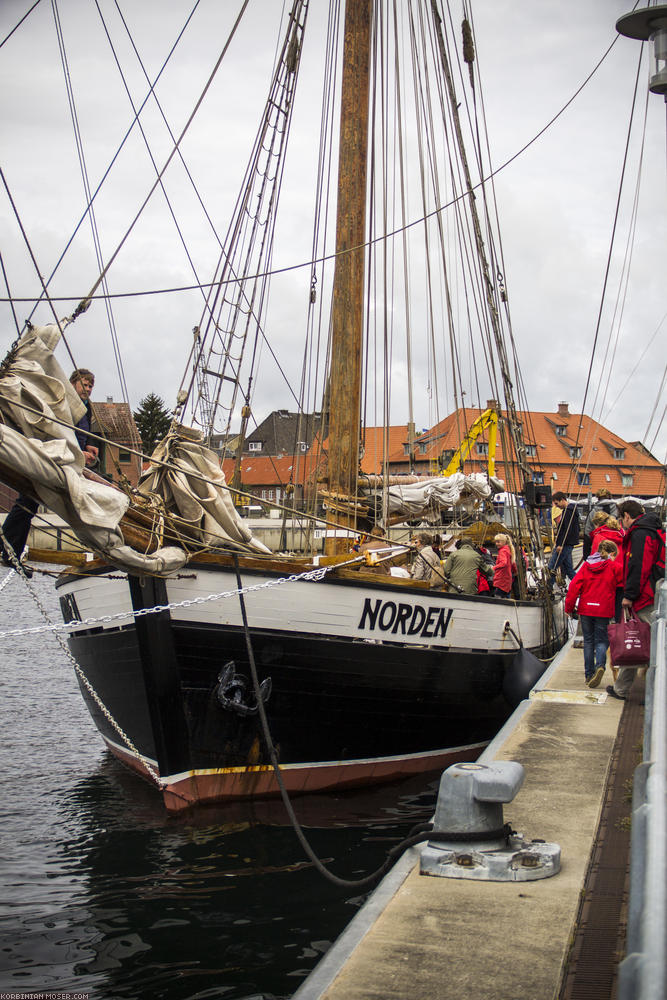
(10,576)
(77,625)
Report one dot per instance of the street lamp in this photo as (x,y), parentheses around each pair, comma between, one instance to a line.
(650,24)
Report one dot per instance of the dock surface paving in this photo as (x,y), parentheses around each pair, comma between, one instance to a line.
(454,938)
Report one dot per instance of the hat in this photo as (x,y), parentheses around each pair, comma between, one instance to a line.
(604,492)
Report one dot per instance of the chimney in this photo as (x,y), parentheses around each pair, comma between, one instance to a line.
(563,409)
(492,404)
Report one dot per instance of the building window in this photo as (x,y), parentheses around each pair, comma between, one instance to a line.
(627,479)
(619,453)
(124,456)
(531,450)
(254,445)
(607,477)
(575,452)
(422,448)
(406,449)
(268,494)
(584,478)
(302,445)
(538,477)
(561,430)
(482,448)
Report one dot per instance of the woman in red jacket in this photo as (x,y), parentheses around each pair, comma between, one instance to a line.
(505,566)
(593,592)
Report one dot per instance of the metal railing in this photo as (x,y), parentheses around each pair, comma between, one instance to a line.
(643,972)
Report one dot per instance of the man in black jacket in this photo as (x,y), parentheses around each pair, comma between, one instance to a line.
(567,535)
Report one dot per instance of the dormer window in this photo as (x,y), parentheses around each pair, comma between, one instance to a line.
(482,448)
(575,452)
(422,448)
(627,478)
(406,449)
(531,451)
(538,477)
(619,453)
(561,430)
(302,445)
(584,478)
(254,445)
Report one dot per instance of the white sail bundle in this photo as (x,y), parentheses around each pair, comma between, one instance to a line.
(441,492)
(189,479)
(38,413)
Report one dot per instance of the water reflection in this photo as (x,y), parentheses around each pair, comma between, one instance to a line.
(221,899)
(105,893)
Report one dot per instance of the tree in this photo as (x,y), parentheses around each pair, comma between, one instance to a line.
(153,420)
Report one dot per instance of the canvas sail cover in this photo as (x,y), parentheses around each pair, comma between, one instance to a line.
(38,410)
(192,483)
(440,493)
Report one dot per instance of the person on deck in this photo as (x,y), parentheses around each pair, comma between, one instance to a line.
(505,566)
(643,566)
(593,592)
(17,523)
(567,536)
(426,565)
(462,566)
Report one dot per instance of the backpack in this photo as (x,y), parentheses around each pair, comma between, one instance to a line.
(658,567)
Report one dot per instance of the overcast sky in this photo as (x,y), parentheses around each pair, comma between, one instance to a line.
(556,200)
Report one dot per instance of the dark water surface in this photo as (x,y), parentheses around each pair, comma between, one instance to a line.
(102,893)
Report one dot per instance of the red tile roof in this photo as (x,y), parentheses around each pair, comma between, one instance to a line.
(553,458)
(605,457)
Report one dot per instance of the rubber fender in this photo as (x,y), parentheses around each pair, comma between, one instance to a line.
(522,675)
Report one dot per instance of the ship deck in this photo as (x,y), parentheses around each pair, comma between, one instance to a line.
(420,936)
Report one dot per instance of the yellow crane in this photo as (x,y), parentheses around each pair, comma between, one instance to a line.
(488,419)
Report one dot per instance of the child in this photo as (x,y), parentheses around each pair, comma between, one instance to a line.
(611,530)
(594,587)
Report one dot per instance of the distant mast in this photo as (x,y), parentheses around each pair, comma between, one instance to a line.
(348,292)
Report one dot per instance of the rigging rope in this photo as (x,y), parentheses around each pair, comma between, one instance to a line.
(608,265)
(19,23)
(84,304)
(327,257)
(86,187)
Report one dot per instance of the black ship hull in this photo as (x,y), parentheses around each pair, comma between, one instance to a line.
(174,698)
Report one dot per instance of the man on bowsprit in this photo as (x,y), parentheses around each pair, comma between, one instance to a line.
(17,523)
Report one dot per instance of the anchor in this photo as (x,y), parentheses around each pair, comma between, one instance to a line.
(231,691)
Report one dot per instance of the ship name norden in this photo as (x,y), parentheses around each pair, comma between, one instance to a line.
(406,619)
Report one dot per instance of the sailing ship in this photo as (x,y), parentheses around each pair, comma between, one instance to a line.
(204,658)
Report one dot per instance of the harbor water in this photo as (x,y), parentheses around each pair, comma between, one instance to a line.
(104,894)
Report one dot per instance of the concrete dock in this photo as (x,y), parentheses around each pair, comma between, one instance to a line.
(420,936)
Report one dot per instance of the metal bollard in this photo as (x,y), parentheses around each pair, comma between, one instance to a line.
(472,840)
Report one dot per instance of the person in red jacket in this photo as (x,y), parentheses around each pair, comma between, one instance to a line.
(643,552)
(610,529)
(505,566)
(593,592)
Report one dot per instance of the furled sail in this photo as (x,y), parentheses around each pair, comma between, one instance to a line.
(39,451)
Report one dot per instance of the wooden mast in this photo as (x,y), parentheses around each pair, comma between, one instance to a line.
(348,292)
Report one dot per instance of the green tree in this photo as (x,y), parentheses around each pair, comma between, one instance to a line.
(153,420)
